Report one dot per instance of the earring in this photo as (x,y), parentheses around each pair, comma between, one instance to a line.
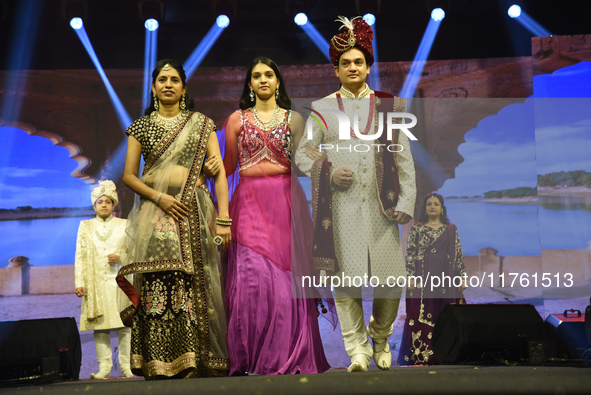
(183,105)
(155,103)
(251,95)
(277,93)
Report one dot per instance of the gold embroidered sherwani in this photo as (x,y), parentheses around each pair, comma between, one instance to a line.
(366,242)
(359,226)
(96,240)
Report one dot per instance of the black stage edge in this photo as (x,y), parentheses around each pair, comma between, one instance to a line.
(39,350)
(399,380)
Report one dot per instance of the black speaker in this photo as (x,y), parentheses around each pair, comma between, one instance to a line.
(466,333)
(45,349)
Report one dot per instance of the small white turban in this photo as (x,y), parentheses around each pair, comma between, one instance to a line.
(106,188)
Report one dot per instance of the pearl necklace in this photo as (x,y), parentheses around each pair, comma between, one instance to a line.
(169,123)
(266,126)
(434,223)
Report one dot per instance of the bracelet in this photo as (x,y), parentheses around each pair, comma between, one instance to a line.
(223,221)
(158,198)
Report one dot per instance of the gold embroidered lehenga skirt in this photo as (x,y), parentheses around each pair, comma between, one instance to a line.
(174,301)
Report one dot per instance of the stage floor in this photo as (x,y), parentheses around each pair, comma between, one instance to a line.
(416,380)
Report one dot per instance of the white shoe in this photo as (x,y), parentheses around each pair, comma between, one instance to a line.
(100,375)
(382,358)
(358,364)
(127,373)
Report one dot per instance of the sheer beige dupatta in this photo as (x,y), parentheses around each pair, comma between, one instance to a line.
(156,242)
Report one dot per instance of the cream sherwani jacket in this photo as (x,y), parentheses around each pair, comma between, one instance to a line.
(96,240)
(366,242)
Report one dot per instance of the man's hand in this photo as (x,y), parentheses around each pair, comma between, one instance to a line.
(80,292)
(315,153)
(113,259)
(401,218)
(212,165)
(343,178)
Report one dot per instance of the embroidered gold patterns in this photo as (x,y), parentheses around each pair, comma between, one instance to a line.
(326,223)
(340,43)
(104,237)
(169,123)
(391,196)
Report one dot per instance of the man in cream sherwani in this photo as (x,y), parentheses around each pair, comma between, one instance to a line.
(366,242)
(98,247)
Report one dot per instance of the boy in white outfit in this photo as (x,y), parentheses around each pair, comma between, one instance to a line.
(98,247)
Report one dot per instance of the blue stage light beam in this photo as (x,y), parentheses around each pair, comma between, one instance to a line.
(22,44)
(374,76)
(414,75)
(150,52)
(527,21)
(205,45)
(122,115)
(316,38)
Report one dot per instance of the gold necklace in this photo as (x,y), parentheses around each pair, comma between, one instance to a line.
(169,123)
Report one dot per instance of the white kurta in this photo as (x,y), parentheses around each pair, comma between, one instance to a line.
(96,240)
(360,229)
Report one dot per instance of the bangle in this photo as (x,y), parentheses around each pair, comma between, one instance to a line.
(223,221)
(158,198)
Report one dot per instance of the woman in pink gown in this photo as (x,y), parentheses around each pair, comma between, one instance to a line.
(269,330)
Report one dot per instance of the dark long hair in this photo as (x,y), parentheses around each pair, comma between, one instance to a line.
(179,68)
(425,218)
(283,101)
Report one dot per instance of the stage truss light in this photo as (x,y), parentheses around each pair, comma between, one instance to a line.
(437,14)
(514,11)
(222,21)
(369,18)
(76,23)
(151,24)
(527,21)
(300,19)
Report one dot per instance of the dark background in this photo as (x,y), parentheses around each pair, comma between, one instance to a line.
(471,29)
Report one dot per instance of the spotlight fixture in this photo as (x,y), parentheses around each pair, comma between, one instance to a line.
(514,11)
(222,21)
(300,19)
(76,23)
(369,18)
(152,13)
(151,24)
(437,14)
(75,11)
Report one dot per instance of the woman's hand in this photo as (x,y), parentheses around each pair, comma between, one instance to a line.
(315,153)
(212,165)
(80,292)
(173,207)
(224,232)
